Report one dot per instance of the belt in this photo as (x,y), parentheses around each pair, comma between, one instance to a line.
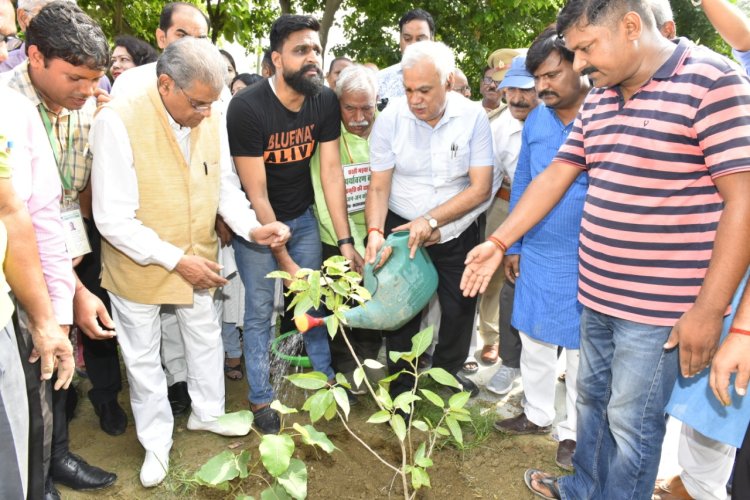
(504,194)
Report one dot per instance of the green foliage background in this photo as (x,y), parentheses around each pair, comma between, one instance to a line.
(472,28)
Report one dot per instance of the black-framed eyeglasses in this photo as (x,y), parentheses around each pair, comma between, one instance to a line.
(201,108)
(12,42)
(490,81)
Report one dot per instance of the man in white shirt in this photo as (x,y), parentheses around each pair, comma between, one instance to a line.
(415,26)
(160,251)
(432,174)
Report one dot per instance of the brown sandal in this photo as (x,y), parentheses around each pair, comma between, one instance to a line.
(490,354)
(233,372)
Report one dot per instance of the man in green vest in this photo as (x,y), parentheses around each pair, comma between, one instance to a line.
(162,172)
(356,89)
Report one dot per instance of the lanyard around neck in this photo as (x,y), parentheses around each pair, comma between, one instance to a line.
(65,175)
(346,146)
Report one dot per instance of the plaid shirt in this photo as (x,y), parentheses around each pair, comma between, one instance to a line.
(76,163)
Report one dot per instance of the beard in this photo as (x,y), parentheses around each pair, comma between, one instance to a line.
(309,86)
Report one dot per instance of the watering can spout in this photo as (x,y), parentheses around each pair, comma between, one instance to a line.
(306,322)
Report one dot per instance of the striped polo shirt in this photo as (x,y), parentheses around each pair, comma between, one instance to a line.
(652,207)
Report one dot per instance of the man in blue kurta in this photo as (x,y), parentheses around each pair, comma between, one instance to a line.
(544,264)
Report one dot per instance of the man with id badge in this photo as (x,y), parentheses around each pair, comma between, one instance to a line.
(432,175)
(67,55)
(356,89)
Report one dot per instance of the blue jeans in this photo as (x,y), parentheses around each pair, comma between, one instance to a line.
(253,263)
(624,381)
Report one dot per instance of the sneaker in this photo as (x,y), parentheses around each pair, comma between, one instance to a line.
(502,381)
(266,420)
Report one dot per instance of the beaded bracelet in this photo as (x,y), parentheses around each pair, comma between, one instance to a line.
(739,331)
(499,244)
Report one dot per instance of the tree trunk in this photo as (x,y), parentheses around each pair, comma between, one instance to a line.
(329,14)
(286,6)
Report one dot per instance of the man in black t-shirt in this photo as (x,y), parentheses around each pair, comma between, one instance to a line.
(274,128)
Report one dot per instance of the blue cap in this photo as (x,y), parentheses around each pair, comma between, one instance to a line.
(517,76)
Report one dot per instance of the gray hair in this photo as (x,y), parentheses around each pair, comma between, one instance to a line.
(438,53)
(662,12)
(31,6)
(190,60)
(357,78)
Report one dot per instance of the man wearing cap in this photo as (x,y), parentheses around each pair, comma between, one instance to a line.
(414,26)
(432,174)
(489,314)
(546,310)
(494,321)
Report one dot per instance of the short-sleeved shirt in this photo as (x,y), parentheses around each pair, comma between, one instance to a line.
(431,164)
(744,58)
(6,306)
(259,125)
(391,82)
(652,207)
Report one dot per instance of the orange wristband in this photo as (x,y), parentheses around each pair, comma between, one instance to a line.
(375,229)
(499,244)
(739,331)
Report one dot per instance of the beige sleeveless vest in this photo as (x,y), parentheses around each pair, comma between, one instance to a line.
(178,201)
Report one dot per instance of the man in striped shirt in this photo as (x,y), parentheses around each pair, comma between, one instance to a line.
(665,139)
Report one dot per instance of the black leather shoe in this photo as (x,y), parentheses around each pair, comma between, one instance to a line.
(50,492)
(266,420)
(72,471)
(179,398)
(112,418)
(469,385)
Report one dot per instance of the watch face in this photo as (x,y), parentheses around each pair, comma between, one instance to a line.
(433,223)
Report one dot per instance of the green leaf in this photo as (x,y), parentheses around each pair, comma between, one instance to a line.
(279,275)
(433,398)
(339,394)
(420,425)
(275,452)
(394,356)
(244,497)
(374,364)
(404,400)
(239,422)
(284,410)
(331,409)
(314,280)
(319,403)
(384,398)
(419,478)
(309,380)
(314,437)
(455,429)
(458,400)
(358,376)
(294,479)
(275,492)
(399,426)
(460,417)
(420,457)
(300,286)
(442,431)
(219,469)
(379,417)
(332,324)
(390,378)
(242,460)
(341,380)
(301,307)
(421,341)
(441,376)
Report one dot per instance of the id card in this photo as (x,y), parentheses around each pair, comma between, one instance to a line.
(76,239)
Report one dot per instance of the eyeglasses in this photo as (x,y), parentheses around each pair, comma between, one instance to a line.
(490,81)
(461,90)
(11,42)
(201,108)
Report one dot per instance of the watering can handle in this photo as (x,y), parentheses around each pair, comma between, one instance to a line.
(371,267)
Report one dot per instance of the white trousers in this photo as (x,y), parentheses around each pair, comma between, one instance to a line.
(539,377)
(706,464)
(172,347)
(139,335)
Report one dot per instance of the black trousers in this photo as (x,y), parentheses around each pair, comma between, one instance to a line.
(366,343)
(741,473)
(510,340)
(102,361)
(457,312)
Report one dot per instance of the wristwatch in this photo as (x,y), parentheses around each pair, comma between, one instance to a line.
(432,221)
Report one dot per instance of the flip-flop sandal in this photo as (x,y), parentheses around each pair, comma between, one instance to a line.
(470,367)
(548,481)
(233,372)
